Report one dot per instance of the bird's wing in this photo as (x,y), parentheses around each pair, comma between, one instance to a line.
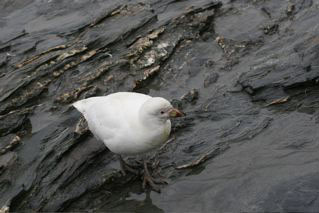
(109,116)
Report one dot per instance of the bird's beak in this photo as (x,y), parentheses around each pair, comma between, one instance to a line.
(173,113)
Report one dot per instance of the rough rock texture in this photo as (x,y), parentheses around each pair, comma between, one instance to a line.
(245,72)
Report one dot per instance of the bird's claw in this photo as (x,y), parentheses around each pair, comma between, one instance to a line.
(148,180)
(125,167)
(160,181)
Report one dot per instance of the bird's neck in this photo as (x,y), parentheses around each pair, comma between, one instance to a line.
(151,122)
(158,130)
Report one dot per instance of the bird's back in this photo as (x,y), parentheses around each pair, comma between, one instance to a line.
(124,100)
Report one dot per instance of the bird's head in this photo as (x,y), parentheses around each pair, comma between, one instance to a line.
(161,109)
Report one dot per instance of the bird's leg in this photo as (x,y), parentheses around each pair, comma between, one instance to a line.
(148,179)
(125,167)
(136,163)
(151,181)
(160,179)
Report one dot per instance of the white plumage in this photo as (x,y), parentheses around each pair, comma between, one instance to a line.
(127,122)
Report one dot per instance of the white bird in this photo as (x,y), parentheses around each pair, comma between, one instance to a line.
(129,123)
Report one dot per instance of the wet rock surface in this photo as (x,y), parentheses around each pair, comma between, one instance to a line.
(245,72)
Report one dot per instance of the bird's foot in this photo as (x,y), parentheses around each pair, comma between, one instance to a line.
(127,168)
(151,181)
(135,163)
(160,180)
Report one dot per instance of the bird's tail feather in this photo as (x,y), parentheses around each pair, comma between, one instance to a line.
(80,106)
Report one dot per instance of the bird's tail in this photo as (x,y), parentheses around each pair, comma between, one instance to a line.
(80,106)
(85,104)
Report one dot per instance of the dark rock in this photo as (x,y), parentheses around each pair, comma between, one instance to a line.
(13,122)
(6,160)
(271,29)
(248,140)
(210,79)
(191,96)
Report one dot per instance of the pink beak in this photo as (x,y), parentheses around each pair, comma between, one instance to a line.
(174,113)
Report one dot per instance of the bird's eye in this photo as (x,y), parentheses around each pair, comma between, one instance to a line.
(162,112)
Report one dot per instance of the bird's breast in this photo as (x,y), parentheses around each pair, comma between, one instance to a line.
(162,134)
(141,140)
(167,130)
